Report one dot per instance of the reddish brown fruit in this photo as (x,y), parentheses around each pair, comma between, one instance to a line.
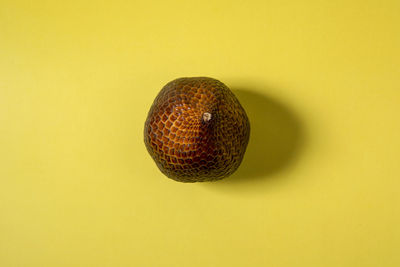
(196,130)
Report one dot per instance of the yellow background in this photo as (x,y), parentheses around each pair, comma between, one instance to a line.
(319,185)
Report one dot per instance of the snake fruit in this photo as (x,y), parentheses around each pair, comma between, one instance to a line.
(196,130)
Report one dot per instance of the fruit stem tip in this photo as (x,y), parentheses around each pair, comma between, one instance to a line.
(206,116)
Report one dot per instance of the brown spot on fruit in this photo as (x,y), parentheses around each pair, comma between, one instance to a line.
(208,132)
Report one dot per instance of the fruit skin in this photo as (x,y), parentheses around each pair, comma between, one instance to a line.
(196,130)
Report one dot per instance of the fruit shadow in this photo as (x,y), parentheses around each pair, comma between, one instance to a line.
(276,138)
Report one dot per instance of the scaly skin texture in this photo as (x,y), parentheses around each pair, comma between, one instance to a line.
(196,130)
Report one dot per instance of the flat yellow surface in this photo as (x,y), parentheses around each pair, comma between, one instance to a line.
(319,185)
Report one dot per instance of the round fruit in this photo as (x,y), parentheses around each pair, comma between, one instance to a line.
(196,130)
